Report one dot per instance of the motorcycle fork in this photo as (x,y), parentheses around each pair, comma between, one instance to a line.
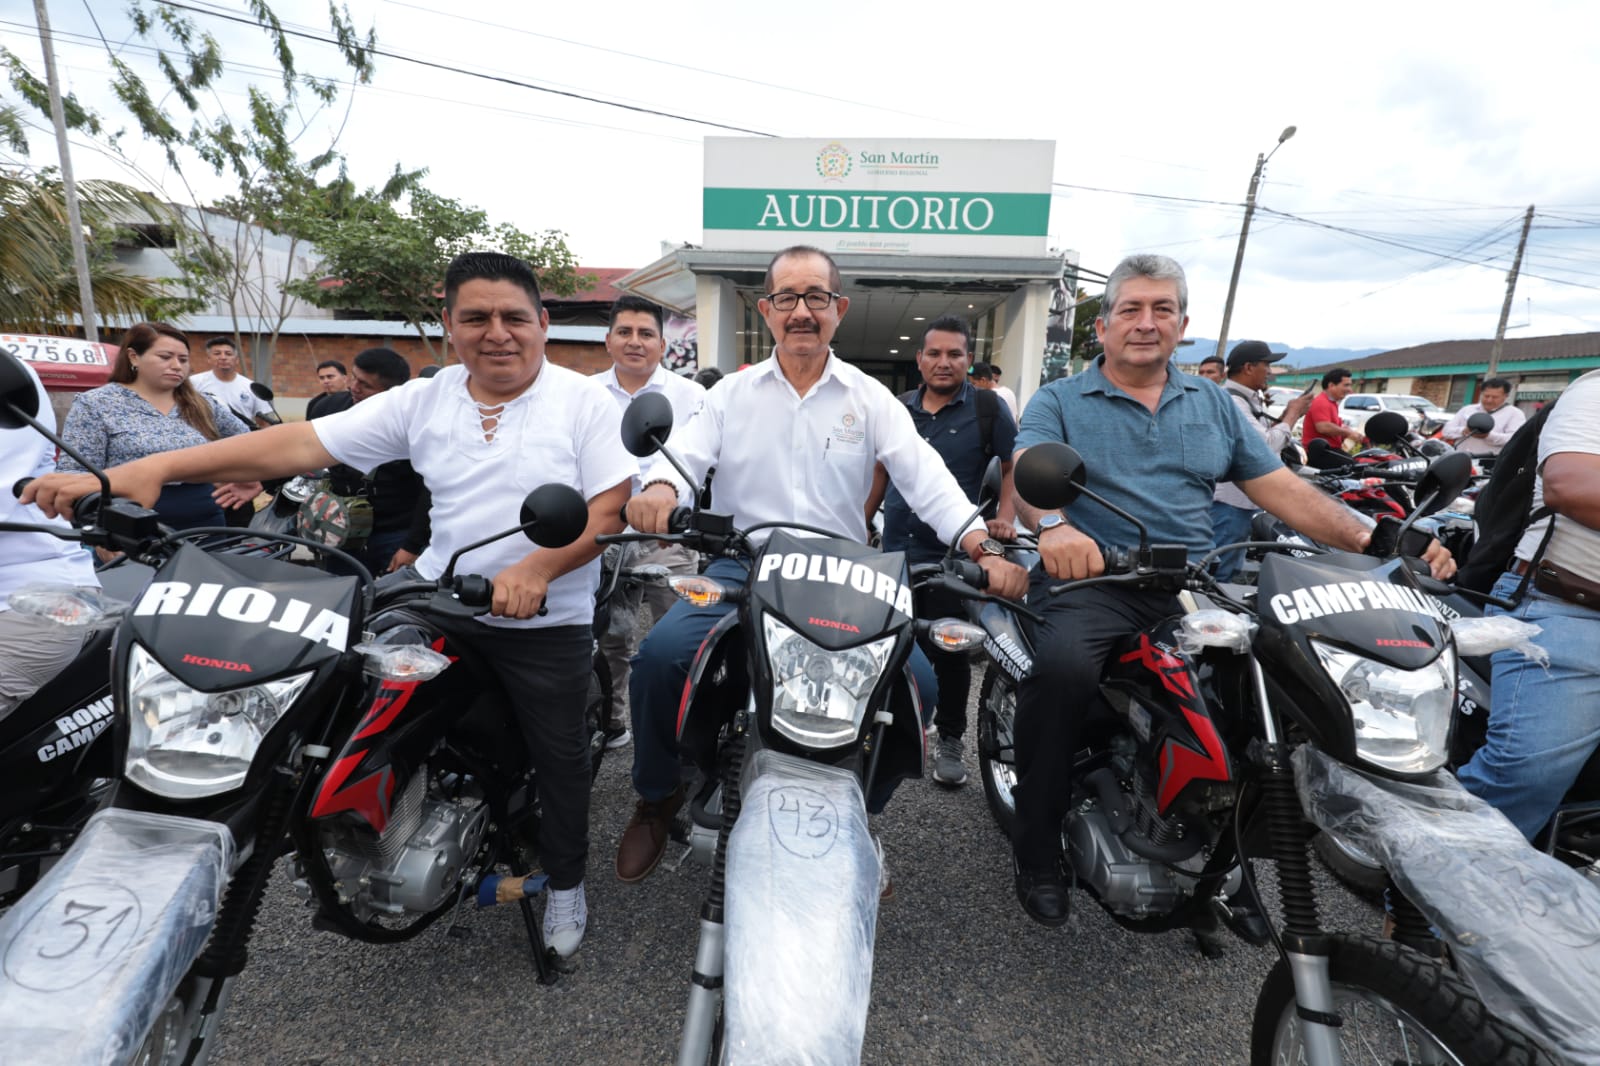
(705,991)
(1304,945)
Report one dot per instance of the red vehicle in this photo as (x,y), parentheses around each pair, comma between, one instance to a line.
(66,365)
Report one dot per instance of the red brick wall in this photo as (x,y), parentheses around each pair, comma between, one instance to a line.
(294,362)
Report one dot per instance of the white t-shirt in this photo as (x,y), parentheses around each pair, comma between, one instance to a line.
(563,429)
(35,558)
(685,396)
(1574,426)
(235,395)
(781,457)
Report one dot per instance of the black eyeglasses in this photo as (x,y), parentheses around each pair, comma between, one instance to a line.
(788,301)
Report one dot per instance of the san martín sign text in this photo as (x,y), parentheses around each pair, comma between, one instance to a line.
(1009,214)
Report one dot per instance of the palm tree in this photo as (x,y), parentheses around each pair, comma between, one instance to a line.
(38,283)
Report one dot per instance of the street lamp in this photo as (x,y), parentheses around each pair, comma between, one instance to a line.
(1244,231)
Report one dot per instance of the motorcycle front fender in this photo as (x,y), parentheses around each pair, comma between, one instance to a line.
(90,957)
(801,913)
(1523,927)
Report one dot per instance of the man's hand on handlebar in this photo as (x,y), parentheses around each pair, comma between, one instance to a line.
(650,511)
(1069,555)
(1006,578)
(519,590)
(140,481)
(1440,561)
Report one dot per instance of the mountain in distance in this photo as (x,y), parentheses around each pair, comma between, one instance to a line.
(1298,357)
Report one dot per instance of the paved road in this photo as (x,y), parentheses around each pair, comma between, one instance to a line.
(961,975)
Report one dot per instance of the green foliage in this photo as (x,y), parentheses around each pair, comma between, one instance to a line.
(38,283)
(1085,345)
(390,263)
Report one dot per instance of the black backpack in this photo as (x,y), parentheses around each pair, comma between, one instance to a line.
(988,405)
(1501,514)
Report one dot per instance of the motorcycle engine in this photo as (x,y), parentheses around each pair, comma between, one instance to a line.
(1127,883)
(415,864)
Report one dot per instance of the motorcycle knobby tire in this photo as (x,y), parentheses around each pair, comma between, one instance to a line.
(1429,996)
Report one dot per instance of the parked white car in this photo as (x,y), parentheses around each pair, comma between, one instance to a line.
(1360,406)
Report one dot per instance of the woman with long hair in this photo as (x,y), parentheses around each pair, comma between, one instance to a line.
(150,407)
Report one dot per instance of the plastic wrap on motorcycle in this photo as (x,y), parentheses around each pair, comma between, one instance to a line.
(94,951)
(802,911)
(1523,927)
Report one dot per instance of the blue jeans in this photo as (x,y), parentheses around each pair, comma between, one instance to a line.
(661,668)
(1543,725)
(1229,525)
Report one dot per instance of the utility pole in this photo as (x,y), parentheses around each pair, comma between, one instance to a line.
(1511,291)
(80,254)
(1244,231)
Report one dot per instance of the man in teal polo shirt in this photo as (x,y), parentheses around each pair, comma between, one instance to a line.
(1155,441)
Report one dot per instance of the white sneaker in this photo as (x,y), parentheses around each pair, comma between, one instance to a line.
(566,914)
(619,740)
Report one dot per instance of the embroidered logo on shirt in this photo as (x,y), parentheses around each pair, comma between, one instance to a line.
(847,431)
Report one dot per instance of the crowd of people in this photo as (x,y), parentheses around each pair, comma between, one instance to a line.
(805,437)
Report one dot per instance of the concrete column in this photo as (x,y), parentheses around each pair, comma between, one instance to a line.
(1022,346)
(716,312)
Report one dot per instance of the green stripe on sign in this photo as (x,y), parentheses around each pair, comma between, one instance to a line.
(999,214)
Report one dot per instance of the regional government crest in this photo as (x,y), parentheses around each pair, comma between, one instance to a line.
(833,162)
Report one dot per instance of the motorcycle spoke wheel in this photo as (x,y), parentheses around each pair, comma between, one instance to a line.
(1395,1006)
(997,761)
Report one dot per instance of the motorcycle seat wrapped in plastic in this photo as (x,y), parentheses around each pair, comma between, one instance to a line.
(1522,926)
(90,956)
(802,912)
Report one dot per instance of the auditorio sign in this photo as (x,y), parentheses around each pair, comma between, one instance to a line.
(911,196)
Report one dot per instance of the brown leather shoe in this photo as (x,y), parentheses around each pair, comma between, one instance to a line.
(645,839)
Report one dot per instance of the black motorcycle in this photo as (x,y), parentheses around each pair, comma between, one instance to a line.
(1189,770)
(798,708)
(263,708)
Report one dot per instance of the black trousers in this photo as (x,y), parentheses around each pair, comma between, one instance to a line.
(544,677)
(1071,646)
(953,670)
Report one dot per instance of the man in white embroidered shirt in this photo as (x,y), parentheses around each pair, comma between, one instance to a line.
(636,344)
(482,435)
(793,439)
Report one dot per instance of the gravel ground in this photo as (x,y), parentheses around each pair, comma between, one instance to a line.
(961,975)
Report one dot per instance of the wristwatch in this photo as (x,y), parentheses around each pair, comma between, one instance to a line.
(990,546)
(1051,521)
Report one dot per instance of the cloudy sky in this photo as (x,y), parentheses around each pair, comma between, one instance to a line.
(1424,130)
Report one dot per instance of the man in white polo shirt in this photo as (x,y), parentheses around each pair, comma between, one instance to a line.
(636,344)
(794,439)
(32,653)
(482,435)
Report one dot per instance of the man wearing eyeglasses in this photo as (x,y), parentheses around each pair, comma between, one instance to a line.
(793,439)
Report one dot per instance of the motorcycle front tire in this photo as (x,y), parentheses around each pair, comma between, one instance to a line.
(1410,995)
(1356,870)
(997,711)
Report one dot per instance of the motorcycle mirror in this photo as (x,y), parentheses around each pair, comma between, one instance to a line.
(1481,422)
(18,396)
(1049,476)
(1386,427)
(646,424)
(554,516)
(262,392)
(1443,482)
(1324,456)
(989,488)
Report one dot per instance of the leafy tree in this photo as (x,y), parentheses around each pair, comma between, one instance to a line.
(38,282)
(1085,345)
(390,263)
(240,250)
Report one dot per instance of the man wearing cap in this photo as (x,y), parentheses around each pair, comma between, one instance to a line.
(1211,368)
(1231,509)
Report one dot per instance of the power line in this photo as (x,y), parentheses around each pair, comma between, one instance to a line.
(662,62)
(502,79)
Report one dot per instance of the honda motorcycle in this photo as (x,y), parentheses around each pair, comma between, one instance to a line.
(1180,785)
(263,708)
(799,708)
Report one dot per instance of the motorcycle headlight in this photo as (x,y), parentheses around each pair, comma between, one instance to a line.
(819,697)
(184,743)
(1402,717)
